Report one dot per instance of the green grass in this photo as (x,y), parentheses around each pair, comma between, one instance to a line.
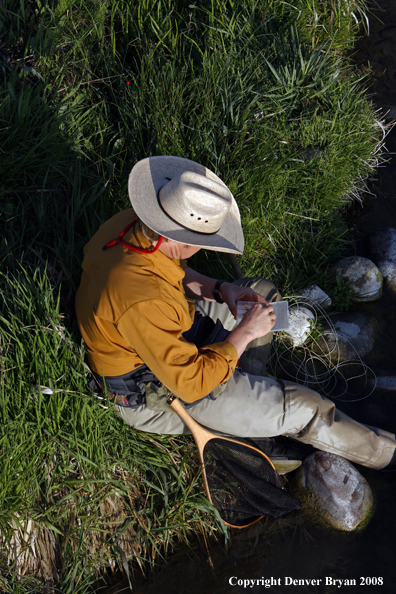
(91,488)
(286,125)
(262,93)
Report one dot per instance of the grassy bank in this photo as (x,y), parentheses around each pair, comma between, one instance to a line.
(79,490)
(90,88)
(261,93)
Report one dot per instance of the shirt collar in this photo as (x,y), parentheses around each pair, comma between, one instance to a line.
(167,268)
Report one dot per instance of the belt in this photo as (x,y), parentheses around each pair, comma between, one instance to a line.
(129,389)
(125,390)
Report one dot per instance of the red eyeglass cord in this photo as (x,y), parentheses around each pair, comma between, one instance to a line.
(119,240)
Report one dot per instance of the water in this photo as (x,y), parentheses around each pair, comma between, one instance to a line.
(287,551)
(292,550)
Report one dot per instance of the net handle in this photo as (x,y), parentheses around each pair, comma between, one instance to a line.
(201,436)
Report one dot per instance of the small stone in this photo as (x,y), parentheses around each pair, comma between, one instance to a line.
(384,383)
(341,495)
(390,114)
(299,325)
(381,247)
(43,389)
(364,277)
(316,294)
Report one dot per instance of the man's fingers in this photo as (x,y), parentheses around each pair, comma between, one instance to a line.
(256,297)
(259,298)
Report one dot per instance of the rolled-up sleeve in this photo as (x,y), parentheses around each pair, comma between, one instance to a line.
(153,329)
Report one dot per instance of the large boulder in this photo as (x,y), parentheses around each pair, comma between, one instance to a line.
(381,247)
(363,275)
(352,335)
(335,490)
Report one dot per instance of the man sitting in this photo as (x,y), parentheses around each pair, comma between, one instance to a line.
(146,318)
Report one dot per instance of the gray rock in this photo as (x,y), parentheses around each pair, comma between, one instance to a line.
(353,335)
(317,295)
(390,114)
(381,247)
(385,383)
(299,325)
(364,277)
(337,491)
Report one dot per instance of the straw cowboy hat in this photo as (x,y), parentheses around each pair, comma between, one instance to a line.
(186,202)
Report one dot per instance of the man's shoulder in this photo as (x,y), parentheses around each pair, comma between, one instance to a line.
(110,229)
(133,283)
(127,285)
(117,278)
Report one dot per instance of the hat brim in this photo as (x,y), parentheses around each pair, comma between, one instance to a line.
(147,178)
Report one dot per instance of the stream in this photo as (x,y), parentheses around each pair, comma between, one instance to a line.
(293,554)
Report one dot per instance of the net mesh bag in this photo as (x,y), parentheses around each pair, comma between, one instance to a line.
(243,485)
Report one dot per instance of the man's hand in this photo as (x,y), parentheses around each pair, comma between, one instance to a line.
(233,293)
(256,322)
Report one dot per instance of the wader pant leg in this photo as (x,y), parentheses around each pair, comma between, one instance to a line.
(253,405)
(256,406)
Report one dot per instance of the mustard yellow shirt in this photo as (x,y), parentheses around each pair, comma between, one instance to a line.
(132,309)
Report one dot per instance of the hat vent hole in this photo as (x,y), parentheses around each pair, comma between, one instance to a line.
(199,218)
(191,215)
(206,221)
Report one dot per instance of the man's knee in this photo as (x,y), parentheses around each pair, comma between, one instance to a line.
(254,359)
(304,407)
(262,286)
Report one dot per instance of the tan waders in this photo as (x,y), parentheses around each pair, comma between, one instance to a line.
(253,405)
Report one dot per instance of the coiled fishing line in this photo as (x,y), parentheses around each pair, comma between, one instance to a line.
(317,363)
